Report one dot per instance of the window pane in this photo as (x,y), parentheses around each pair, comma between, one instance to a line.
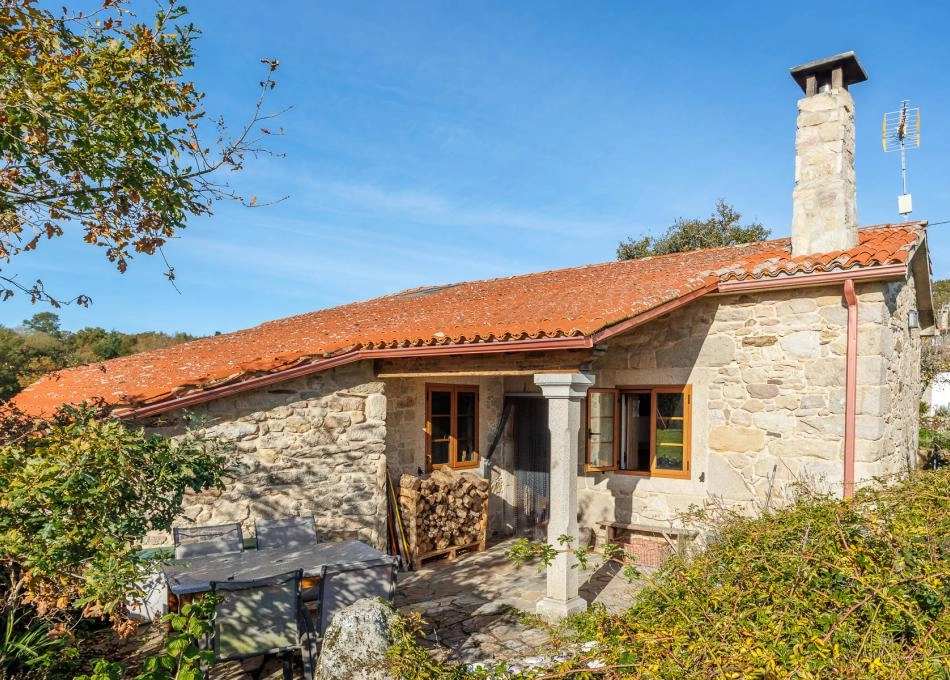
(669,404)
(441,427)
(601,445)
(669,431)
(439,453)
(466,439)
(441,403)
(635,452)
(669,457)
(467,402)
(466,451)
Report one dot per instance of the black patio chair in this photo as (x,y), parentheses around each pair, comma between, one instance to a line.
(286,532)
(343,584)
(208,540)
(264,617)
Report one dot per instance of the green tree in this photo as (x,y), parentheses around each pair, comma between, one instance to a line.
(941,293)
(721,228)
(43,322)
(13,361)
(100,128)
(78,495)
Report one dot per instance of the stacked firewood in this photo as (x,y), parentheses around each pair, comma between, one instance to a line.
(444,510)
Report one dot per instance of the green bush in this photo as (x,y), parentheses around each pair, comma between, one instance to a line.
(185,657)
(27,643)
(827,588)
(78,493)
(935,438)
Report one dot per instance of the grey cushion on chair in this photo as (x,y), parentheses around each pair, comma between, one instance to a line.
(286,532)
(343,584)
(207,540)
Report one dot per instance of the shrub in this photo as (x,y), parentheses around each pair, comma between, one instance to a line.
(78,493)
(185,656)
(829,587)
(27,643)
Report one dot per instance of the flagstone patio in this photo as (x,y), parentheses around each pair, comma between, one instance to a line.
(477,609)
(481,606)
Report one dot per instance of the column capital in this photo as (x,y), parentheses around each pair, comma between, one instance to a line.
(564,385)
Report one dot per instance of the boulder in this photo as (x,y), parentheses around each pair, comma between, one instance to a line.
(356,642)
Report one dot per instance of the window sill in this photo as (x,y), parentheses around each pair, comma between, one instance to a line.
(646,475)
(465,466)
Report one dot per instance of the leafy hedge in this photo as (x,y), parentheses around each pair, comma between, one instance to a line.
(827,588)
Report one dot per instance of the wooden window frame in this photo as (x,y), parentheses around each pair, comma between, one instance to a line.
(602,468)
(453,434)
(653,390)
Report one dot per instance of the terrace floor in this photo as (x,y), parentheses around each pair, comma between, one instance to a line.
(481,607)
(478,608)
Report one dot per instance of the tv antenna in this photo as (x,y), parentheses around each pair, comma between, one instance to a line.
(901,129)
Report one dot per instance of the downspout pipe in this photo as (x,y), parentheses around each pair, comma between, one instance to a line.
(851,387)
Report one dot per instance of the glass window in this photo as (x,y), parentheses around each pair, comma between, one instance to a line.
(670,442)
(601,427)
(451,426)
(639,430)
(635,451)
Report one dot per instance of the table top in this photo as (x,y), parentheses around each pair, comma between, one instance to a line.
(195,574)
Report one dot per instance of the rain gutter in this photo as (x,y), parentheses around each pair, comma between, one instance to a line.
(530,345)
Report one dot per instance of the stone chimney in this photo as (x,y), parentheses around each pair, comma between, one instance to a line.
(824,203)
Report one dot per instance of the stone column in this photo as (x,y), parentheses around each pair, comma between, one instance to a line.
(564,392)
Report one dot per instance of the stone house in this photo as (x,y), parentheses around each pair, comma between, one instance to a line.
(612,394)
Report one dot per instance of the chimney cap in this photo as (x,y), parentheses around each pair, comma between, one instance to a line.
(851,68)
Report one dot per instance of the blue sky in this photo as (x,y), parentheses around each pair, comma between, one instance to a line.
(431,142)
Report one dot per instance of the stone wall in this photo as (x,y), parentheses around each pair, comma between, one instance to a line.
(900,350)
(310,446)
(406,444)
(768,377)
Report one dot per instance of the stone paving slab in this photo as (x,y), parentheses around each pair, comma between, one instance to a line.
(480,607)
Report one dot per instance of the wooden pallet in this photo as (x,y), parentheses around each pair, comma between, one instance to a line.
(450,553)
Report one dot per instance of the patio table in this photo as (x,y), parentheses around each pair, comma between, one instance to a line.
(194,575)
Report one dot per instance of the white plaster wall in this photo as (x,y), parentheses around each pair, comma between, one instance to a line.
(940,392)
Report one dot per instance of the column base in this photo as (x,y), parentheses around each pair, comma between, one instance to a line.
(550,609)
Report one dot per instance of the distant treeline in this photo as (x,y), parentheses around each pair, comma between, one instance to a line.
(41,346)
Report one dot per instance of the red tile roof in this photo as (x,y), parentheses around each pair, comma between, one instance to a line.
(555,304)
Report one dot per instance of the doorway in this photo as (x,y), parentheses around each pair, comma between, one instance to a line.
(532,462)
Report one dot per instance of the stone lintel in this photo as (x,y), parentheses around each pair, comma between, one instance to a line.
(564,385)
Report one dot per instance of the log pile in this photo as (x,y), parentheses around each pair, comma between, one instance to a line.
(444,512)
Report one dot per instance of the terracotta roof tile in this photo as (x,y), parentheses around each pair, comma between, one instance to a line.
(553,304)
